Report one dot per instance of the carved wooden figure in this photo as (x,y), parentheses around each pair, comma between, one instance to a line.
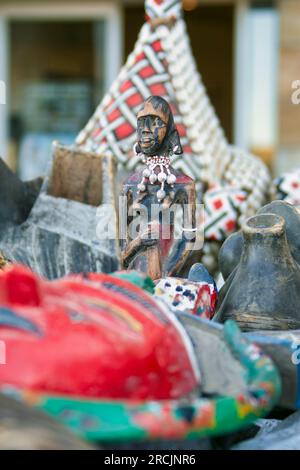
(154,194)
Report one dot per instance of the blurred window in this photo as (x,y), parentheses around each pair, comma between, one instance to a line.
(56,79)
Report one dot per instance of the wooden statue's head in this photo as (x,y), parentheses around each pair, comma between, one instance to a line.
(156,130)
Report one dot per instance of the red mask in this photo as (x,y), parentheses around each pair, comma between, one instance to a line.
(94,336)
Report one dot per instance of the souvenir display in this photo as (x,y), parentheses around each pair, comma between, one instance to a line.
(112,327)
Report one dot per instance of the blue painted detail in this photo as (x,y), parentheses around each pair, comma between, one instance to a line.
(256,337)
(187,293)
(10,319)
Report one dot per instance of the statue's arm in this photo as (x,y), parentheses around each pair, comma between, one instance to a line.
(131,247)
(186,244)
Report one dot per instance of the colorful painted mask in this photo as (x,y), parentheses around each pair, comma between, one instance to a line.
(107,360)
(96,336)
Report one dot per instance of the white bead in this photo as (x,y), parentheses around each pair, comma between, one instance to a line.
(171,179)
(153,178)
(162,177)
(141,187)
(146,172)
(160,194)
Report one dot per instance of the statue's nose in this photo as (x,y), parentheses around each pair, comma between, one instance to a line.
(147,125)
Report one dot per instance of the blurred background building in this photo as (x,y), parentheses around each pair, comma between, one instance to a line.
(58,58)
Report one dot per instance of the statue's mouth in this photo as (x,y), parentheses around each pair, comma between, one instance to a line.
(147,141)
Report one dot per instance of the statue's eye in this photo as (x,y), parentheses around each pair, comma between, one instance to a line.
(158,121)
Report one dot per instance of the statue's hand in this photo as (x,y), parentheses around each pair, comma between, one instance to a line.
(150,236)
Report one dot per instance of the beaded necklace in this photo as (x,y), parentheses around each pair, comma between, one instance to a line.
(162,162)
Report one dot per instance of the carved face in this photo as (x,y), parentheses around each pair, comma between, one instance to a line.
(151,129)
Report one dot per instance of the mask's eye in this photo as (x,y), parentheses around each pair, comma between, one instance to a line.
(158,122)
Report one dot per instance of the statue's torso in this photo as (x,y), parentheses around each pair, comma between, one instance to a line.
(163,213)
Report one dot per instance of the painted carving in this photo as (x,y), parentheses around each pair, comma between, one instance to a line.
(155,194)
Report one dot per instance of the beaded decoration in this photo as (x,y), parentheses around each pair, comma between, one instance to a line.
(162,162)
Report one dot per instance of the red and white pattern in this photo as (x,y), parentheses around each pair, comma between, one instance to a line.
(196,298)
(287,187)
(222,208)
(162,9)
